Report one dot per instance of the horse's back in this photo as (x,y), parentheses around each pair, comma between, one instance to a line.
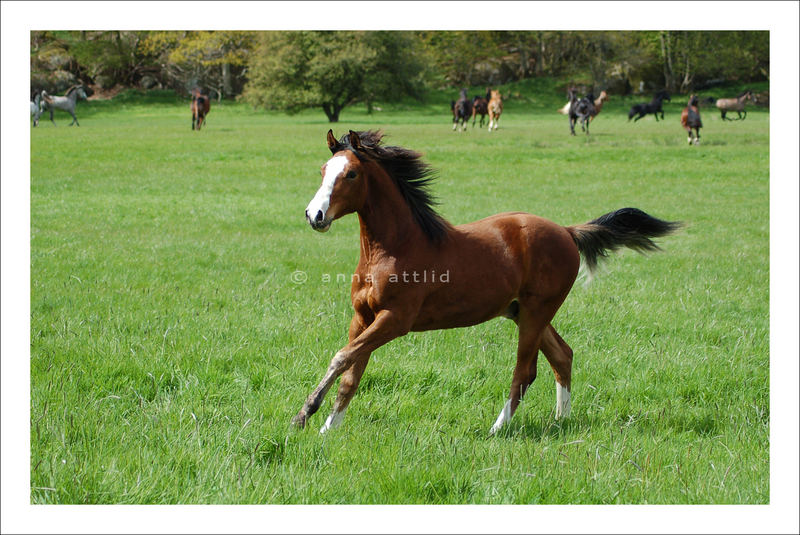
(519,230)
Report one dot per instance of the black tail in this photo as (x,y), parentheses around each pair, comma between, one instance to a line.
(627,227)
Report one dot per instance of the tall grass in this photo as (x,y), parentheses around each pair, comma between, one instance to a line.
(170,346)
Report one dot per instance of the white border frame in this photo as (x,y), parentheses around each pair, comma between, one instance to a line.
(19,516)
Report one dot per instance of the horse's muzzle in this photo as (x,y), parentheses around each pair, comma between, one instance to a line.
(318,223)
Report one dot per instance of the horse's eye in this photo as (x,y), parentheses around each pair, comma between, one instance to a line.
(350,175)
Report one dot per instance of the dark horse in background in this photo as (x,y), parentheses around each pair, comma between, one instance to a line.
(201,105)
(462,110)
(480,105)
(654,107)
(580,110)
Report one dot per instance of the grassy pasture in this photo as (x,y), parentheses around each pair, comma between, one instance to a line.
(170,345)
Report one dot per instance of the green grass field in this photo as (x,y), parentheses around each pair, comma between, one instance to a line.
(170,346)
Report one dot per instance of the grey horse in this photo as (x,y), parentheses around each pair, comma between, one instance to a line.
(66,103)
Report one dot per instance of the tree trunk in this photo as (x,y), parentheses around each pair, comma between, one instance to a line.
(227,84)
(540,55)
(687,77)
(666,55)
(332,111)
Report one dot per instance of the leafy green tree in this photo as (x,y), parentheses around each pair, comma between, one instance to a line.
(211,59)
(292,71)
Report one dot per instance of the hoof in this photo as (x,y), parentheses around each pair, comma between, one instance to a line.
(299,421)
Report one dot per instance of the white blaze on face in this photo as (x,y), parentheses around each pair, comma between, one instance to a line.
(322,199)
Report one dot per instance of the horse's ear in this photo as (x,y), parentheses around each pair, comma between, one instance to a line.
(355,141)
(333,145)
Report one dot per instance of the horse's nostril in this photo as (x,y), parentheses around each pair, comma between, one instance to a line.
(318,218)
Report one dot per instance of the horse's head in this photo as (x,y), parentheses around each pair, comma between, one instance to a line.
(603,96)
(693,101)
(663,95)
(343,189)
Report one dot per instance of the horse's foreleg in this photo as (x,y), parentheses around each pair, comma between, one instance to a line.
(386,327)
(349,380)
(559,355)
(74,119)
(51,117)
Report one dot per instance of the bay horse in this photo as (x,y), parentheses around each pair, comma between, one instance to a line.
(690,119)
(201,105)
(580,110)
(462,110)
(654,107)
(514,265)
(480,106)
(734,104)
(495,107)
(65,103)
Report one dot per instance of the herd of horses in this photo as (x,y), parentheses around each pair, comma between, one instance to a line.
(465,109)
(583,110)
(579,110)
(41,101)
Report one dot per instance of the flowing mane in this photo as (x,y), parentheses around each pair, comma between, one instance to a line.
(411,175)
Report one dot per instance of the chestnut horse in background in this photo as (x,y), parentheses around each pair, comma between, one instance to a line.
(514,265)
(201,105)
(495,107)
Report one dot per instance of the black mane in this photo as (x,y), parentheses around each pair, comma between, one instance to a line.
(410,174)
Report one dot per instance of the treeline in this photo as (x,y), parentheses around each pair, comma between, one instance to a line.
(292,70)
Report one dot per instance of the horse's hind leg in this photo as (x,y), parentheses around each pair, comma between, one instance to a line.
(530,336)
(559,355)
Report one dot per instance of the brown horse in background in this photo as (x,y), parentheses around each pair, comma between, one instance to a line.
(201,105)
(417,272)
(690,119)
(480,105)
(735,104)
(598,105)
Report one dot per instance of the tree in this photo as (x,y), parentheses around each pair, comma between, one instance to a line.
(214,60)
(292,71)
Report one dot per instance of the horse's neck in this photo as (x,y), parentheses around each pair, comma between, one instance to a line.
(386,219)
